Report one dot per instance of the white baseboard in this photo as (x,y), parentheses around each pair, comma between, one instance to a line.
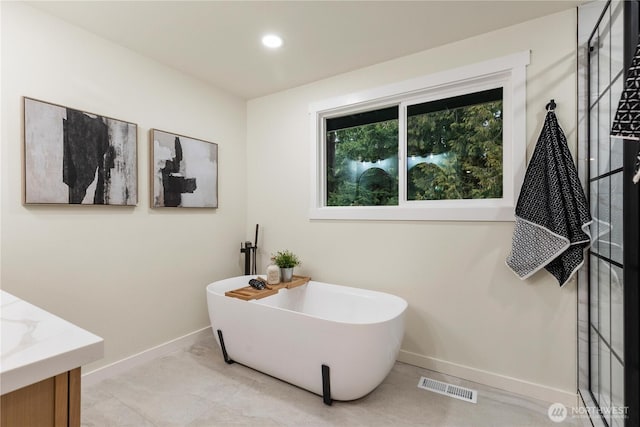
(510,384)
(115,368)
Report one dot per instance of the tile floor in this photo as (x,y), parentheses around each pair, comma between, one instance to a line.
(195,387)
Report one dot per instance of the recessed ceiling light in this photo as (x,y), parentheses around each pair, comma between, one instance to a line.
(272,41)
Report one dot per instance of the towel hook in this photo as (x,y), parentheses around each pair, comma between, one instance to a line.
(551,106)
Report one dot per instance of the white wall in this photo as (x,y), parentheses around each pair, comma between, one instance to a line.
(111,270)
(134,276)
(468,314)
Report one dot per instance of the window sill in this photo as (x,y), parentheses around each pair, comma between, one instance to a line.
(451,210)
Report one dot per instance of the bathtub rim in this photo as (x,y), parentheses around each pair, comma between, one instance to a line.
(390,318)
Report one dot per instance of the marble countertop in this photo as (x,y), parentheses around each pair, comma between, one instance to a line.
(35,344)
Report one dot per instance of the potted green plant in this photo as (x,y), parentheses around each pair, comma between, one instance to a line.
(286,260)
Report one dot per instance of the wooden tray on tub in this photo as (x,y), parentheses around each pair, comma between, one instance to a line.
(248,293)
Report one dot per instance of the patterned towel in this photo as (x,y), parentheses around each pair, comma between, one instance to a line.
(552,214)
(627,121)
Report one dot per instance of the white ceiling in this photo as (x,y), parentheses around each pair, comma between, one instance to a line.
(219,41)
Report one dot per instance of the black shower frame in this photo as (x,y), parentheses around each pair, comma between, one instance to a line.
(631,226)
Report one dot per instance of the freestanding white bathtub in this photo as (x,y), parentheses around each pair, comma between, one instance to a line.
(336,341)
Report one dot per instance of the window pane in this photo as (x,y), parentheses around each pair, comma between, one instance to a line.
(362,161)
(454,148)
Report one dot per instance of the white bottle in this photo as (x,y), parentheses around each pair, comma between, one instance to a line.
(273,273)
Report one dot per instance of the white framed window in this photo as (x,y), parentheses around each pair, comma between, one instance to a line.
(447,146)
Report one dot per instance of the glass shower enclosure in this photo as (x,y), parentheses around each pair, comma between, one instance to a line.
(608,288)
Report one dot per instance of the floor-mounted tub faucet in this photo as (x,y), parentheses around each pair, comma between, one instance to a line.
(249,250)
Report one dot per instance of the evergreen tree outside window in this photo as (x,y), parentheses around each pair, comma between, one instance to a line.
(454,148)
(362,159)
(448,146)
(454,151)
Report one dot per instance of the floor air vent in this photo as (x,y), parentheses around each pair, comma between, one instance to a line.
(450,390)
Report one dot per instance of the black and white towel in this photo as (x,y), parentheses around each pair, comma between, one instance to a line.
(626,123)
(552,213)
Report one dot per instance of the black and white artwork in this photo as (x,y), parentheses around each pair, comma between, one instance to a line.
(185,171)
(75,157)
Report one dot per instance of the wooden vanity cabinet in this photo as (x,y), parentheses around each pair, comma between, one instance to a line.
(51,402)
